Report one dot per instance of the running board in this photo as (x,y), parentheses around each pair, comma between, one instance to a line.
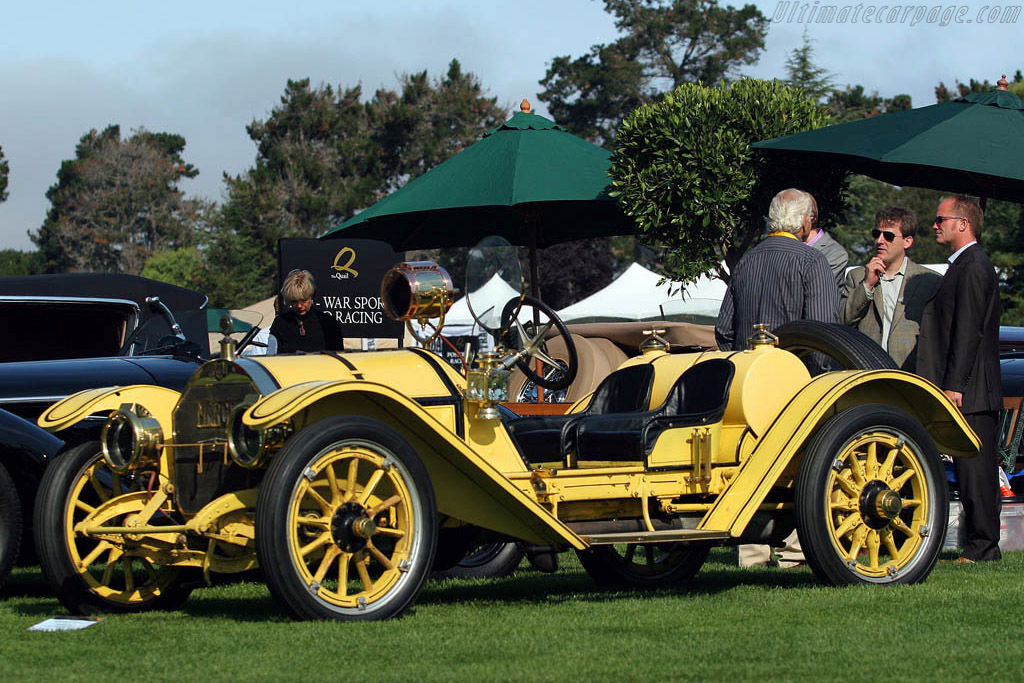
(656,536)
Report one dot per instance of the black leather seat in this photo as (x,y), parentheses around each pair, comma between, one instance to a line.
(698,397)
(540,439)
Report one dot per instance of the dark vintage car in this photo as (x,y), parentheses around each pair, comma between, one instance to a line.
(1011,346)
(60,334)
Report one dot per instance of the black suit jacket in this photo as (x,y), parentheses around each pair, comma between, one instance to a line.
(959,344)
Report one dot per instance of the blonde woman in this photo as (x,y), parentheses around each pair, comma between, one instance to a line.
(301,326)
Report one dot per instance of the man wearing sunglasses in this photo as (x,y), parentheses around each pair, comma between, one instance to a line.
(959,352)
(886,298)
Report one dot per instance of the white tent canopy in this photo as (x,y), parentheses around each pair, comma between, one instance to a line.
(636,295)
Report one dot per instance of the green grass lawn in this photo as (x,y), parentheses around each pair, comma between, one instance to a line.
(965,622)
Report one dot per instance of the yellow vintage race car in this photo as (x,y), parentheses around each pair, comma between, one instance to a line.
(346,477)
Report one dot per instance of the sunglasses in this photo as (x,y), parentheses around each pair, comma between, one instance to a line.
(888,234)
(939,220)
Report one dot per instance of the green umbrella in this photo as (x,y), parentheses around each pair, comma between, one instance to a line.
(528,180)
(972,145)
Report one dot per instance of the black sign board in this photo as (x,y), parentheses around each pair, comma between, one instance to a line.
(348,274)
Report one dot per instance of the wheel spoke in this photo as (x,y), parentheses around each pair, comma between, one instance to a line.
(885,472)
(332,482)
(890,543)
(101,491)
(848,487)
(388,531)
(381,557)
(384,505)
(649,554)
(871,465)
(353,477)
(375,478)
(149,568)
(857,543)
(899,481)
(872,543)
(129,576)
(911,503)
(849,524)
(630,553)
(84,507)
(343,563)
(101,547)
(857,469)
(319,500)
(901,526)
(846,505)
(318,522)
(364,573)
(320,541)
(325,564)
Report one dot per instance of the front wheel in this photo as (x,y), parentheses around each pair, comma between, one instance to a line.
(871,500)
(346,522)
(651,565)
(109,572)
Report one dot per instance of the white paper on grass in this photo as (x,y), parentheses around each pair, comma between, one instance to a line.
(62,623)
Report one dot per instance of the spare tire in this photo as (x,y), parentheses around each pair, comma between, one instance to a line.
(846,348)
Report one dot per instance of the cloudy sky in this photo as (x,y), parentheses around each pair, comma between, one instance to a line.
(206,69)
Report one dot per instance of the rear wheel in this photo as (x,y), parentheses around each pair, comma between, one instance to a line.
(649,565)
(109,573)
(10,524)
(346,523)
(871,500)
(487,561)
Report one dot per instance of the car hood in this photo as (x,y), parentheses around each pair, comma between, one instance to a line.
(51,380)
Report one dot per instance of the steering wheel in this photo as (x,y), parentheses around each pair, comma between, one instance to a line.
(532,341)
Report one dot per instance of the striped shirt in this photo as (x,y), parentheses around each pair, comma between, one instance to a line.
(779,280)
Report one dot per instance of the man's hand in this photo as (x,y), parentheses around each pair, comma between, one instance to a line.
(956,397)
(873,271)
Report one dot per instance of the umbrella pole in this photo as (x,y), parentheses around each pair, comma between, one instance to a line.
(535,292)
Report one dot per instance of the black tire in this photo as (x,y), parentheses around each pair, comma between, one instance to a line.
(79,480)
(871,499)
(10,524)
(660,564)
(509,322)
(849,348)
(306,542)
(486,561)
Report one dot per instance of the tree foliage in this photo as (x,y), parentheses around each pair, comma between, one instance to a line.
(324,153)
(803,73)
(182,267)
(5,172)
(945,94)
(684,170)
(663,44)
(14,262)
(117,202)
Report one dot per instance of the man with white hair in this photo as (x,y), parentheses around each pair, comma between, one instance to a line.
(779,280)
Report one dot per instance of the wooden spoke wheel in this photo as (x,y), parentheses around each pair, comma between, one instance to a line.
(346,523)
(650,565)
(107,572)
(871,500)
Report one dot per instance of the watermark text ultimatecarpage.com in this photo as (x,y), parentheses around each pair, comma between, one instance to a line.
(793,11)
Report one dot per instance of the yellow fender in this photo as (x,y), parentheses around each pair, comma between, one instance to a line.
(467,484)
(820,399)
(159,401)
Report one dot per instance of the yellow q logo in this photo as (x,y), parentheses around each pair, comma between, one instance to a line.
(346,268)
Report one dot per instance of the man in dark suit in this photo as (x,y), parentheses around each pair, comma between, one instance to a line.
(959,351)
(886,298)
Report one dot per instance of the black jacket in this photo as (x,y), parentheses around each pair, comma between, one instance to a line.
(959,344)
(318,330)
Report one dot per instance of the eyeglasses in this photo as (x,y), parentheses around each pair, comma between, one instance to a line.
(888,234)
(939,220)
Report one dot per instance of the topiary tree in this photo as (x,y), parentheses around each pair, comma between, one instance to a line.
(683,168)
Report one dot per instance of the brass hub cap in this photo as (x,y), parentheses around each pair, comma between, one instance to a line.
(879,504)
(350,527)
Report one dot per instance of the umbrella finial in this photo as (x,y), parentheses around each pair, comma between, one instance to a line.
(1000,84)
(524,106)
